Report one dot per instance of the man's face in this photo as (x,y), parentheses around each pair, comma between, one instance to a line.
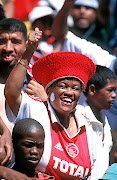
(105,97)
(29,150)
(12,46)
(83,16)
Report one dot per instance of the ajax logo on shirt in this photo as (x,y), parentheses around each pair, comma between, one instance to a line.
(72,150)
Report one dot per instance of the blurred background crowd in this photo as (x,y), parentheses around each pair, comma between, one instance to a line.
(102,18)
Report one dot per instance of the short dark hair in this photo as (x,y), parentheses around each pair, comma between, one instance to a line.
(12,24)
(100,78)
(23,127)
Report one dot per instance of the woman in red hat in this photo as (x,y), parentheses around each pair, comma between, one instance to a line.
(70,146)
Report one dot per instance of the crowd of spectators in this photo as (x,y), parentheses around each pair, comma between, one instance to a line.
(58,66)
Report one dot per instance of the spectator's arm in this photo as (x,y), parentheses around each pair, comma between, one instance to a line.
(10,174)
(36,89)
(60,28)
(6,148)
(8,6)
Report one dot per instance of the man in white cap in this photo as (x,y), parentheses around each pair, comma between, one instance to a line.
(89,23)
(84,14)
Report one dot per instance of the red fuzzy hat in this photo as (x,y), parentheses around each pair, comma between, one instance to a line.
(63,64)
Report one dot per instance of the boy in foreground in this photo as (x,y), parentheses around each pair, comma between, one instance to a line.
(28,142)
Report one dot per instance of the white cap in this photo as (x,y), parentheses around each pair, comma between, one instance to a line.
(39,12)
(90,3)
(56,4)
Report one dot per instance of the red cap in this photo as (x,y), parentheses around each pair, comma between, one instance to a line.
(58,65)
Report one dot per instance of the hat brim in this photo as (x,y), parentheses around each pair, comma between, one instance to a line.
(92,4)
(50,83)
(40,12)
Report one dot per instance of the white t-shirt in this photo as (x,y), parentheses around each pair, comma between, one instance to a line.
(104,137)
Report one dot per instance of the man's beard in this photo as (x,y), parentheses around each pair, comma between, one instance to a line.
(5,67)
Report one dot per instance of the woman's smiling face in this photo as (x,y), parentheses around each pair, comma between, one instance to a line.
(64,95)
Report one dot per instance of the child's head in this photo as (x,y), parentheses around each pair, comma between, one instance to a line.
(28,142)
(42,17)
(101,88)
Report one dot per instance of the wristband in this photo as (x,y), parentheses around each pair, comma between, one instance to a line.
(22,63)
